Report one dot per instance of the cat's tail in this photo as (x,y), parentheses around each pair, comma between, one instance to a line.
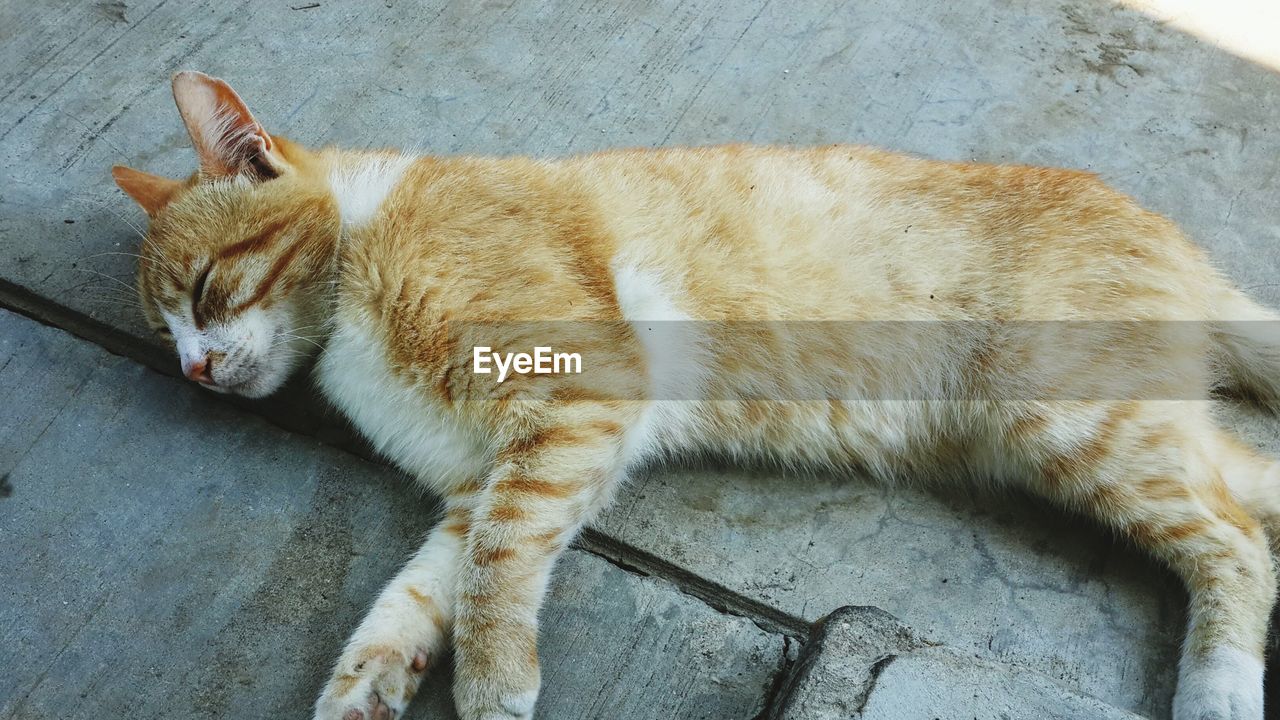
(1247,338)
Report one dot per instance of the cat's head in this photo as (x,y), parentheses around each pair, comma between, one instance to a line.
(237,259)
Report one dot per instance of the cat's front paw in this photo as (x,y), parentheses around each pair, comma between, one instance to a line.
(495,684)
(494,704)
(372,682)
(495,678)
(1225,684)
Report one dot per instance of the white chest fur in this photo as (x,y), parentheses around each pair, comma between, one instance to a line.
(402,422)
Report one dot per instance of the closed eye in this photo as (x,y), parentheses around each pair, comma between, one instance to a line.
(164,334)
(198,291)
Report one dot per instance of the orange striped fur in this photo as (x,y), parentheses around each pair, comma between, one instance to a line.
(398,265)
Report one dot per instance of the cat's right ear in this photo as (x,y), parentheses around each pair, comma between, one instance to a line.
(227,138)
(152,192)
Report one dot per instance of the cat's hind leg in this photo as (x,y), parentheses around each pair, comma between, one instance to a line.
(406,630)
(1150,470)
(1254,480)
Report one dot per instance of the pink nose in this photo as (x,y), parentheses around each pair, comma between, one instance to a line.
(201,371)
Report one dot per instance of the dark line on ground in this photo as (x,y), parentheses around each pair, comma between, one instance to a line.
(22,301)
(720,598)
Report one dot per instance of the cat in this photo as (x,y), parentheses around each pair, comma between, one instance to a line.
(399,266)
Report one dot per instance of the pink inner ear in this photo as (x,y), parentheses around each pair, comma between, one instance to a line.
(226,136)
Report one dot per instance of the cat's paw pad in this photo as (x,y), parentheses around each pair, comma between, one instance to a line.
(372,683)
(1226,684)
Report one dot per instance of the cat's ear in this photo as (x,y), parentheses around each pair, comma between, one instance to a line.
(152,192)
(228,140)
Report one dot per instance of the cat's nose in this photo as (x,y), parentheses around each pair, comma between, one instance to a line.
(201,370)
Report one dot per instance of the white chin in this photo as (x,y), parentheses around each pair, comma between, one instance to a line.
(258,387)
(267,378)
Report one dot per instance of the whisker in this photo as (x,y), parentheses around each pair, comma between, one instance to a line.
(299,337)
(102,204)
(108,291)
(93,284)
(113,278)
(307,331)
(114,300)
(165,263)
(111,252)
(106,303)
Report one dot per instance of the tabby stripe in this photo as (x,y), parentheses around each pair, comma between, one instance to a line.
(273,275)
(519,483)
(484,557)
(254,243)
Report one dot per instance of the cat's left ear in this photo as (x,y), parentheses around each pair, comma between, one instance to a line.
(152,192)
(228,140)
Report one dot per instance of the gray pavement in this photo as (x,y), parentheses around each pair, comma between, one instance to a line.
(862,664)
(1187,127)
(170,556)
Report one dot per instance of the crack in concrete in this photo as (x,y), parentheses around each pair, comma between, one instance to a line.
(717,597)
(873,677)
(775,693)
(22,301)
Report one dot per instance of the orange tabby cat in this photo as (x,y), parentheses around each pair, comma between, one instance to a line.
(405,267)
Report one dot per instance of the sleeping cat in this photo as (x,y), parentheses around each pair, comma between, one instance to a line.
(771,268)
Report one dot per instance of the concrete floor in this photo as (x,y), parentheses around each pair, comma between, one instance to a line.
(1184,125)
(171,556)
